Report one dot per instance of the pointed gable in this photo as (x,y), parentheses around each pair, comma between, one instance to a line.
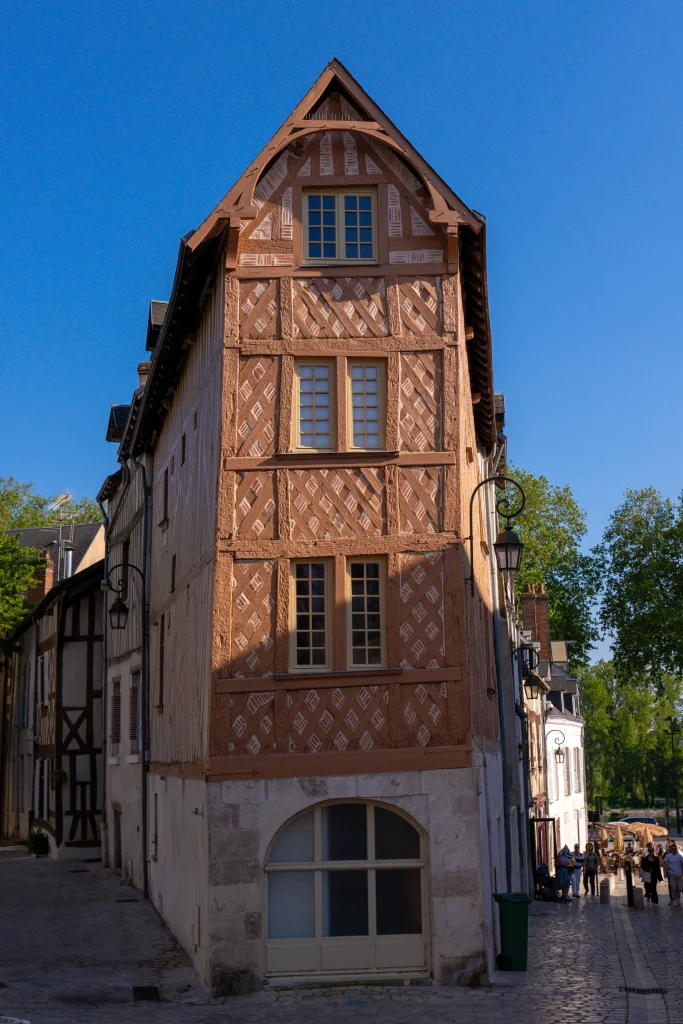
(336,99)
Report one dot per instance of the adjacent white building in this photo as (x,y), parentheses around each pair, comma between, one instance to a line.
(564,728)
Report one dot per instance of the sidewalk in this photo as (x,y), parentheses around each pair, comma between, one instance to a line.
(72,945)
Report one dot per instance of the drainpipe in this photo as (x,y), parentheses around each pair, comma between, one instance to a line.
(145,679)
(501,704)
(105,672)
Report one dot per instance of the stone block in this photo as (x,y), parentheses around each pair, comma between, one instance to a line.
(388,785)
(224,816)
(215,872)
(238,898)
(248,817)
(416,806)
(225,982)
(250,870)
(314,787)
(233,844)
(464,970)
(252,925)
(232,872)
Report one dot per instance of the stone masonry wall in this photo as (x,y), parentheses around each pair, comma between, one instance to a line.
(244,817)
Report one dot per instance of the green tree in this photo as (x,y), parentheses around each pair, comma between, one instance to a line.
(552,527)
(627,738)
(641,558)
(22,507)
(17,571)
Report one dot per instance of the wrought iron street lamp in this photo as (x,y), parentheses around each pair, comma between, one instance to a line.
(531,681)
(119,611)
(508,547)
(559,752)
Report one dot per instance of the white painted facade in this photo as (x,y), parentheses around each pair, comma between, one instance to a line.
(566,781)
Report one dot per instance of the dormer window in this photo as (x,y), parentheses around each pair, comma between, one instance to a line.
(340,227)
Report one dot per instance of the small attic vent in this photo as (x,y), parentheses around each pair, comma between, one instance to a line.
(336,105)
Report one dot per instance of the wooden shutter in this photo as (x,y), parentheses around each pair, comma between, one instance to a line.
(115,730)
(133,712)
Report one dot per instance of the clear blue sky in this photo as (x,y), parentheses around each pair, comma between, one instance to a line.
(123,124)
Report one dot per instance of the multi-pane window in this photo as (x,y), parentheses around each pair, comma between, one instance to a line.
(311,611)
(315,419)
(339,226)
(345,871)
(367,383)
(367,627)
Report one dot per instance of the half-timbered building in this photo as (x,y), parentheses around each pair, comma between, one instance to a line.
(52,737)
(324,776)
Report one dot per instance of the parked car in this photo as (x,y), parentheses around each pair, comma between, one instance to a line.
(644,820)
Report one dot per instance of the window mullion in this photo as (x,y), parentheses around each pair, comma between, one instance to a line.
(318,876)
(372,909)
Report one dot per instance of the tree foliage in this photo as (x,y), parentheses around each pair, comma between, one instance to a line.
(552,527)
(21,507)
(17,571)
(641,563)
(627,735)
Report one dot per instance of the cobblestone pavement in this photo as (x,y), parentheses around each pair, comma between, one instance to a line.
(72,945)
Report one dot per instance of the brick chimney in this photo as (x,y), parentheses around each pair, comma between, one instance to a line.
(543,623)
(529,609)
(143,372)
(44,579)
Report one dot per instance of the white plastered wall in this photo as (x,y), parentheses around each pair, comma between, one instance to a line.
(124,780)
(178,845)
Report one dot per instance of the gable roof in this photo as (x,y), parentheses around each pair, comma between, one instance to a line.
(78,536)
(336,100)
(305,119)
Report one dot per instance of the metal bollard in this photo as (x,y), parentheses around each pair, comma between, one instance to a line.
(604,891)
(629,883)
(638,898)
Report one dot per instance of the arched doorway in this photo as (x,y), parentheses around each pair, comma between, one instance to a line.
(346,892)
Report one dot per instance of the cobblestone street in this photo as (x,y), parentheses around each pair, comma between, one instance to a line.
(74,941)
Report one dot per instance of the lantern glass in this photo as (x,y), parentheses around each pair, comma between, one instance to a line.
(531,688)
(508,548)
(118,614)
(559,755)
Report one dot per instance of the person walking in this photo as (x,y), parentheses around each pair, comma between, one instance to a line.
(673,865)
(651,873)
(591,864)
(577,872)
(563,865)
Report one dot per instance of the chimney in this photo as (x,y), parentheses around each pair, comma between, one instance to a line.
(143,372)
(43,581)
(529,609)
(543,623)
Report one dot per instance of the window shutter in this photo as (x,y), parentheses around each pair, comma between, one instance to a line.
(133,707)
(115,732)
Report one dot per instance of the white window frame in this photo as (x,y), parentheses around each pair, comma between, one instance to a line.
(329,614)
(339,210)
(276,948)
(364,559)
(381,367)
(296,404)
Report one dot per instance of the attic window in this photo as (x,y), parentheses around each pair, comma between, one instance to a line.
(340,227)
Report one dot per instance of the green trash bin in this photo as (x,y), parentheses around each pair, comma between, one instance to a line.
(513,908)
